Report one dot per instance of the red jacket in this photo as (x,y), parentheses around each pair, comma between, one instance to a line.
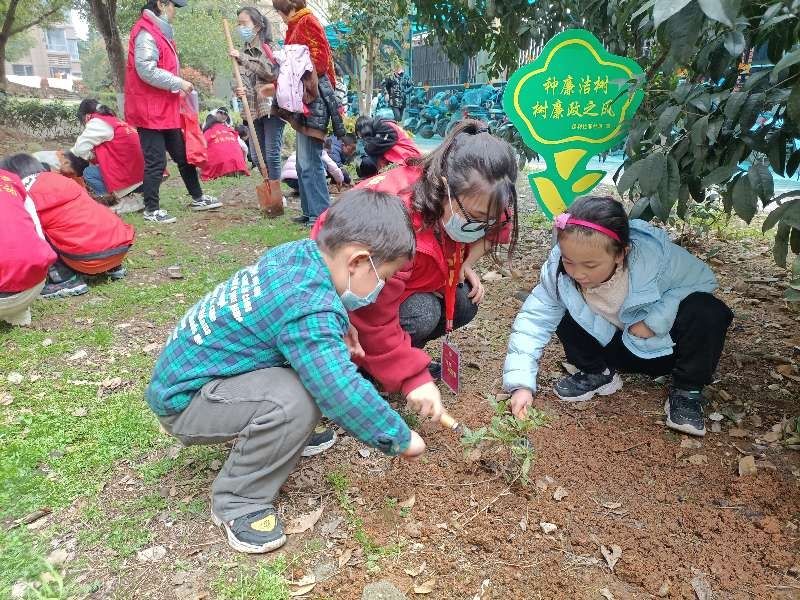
(120,159)
(75,225)
(225,156)
(404,148)
(24,255)
(147,106)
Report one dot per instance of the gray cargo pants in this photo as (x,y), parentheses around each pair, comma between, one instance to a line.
(270,415)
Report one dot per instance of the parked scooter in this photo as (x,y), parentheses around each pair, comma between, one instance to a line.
(412,120)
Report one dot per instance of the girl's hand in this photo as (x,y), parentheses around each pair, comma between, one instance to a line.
(426,401)
(415,447)
(187,87)
(641,330)
(521,399)
(239,91)
(234,54)
(477,293)
(353,345)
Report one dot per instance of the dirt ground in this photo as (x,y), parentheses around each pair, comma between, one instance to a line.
(643,512)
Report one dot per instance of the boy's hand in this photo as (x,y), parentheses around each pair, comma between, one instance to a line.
(641,330)
(415,447)
(521,399)
(353,345)
(426,401)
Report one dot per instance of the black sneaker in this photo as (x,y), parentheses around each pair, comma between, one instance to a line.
(684,410)
(116,273)
(582,386)
(158,216)
(435,369)
(256,533)
(205,202)
(300,219)
(320,440)
(74,286)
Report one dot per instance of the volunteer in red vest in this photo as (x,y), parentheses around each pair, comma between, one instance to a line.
(385,143)
(462,201)
(88,237)
(259,72)
(112,146)
(225,156)
(25,256)
(152,105)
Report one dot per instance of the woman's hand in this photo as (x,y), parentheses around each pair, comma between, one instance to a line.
(353,345)
(641,330)
(415,447)
(239,91)
(521,399)
(187,87)
(478,291)
(234,54)
(426,401)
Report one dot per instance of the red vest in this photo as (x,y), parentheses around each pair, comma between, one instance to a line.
(75,225)
(145,105)
(225,156)
(404,148)
(120,158)
(24,256)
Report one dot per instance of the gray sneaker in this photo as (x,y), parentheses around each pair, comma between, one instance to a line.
(256,533)
(158,216)
(205,202)
(581,386)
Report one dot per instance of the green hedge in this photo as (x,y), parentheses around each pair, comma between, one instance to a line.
(41,119)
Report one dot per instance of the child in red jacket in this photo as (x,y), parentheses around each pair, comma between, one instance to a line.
(88,237)
(24,254)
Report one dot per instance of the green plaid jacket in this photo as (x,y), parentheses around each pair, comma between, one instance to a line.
(282,311)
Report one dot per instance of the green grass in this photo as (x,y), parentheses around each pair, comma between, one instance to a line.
(62,436)
(241,582)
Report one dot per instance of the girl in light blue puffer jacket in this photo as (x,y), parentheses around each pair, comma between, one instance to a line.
(621,298)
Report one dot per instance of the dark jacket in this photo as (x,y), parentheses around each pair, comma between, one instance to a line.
(323,108)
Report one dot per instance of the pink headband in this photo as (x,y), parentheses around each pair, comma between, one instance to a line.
(565,219)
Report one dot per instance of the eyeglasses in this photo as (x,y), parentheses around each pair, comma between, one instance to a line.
(473,225)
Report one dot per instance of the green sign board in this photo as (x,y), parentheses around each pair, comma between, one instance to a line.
(570,104)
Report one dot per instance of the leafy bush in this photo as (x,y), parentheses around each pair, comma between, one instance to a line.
(40,119)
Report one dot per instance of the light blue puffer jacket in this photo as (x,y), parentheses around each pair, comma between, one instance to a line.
(661,274)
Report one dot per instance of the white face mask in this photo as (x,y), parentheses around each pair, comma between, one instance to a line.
(456,223)
(353,301)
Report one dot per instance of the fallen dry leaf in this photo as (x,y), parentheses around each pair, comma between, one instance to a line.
(560,494)
(606,593)
(304,522)
(788,371)
(416,572)
(701,587)
(6,399)
(80,354)
(698,459)
(152,554)
(612,505)
(771,436)
(738,432)
(747,466)
(612,556)
(548,528)
(345,557)
(304,585)
(425,588)
(691,443)
(15,378)
(408,503)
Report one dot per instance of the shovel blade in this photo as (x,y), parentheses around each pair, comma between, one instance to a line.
(270,201)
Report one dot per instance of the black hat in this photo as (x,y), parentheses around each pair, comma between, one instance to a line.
(179,3)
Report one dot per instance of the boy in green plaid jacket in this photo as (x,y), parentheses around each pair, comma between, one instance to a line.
(260,357)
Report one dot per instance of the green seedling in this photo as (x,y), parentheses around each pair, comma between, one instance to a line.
(505,441)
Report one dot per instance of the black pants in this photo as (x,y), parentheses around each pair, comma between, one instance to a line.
(398,113)
(423,315)
(367,166)
(155,143)
(698,333)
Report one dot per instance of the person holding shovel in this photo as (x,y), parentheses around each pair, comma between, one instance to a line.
(152,104)
(462,201)
(259,72)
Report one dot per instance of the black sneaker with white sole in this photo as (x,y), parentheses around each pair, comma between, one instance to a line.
(256,533)
(74,286)
(205,202)
(581,386)
(158,216)
(116,273)
(320,440)
(684,410)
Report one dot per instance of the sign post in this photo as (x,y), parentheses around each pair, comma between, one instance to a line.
(570,104)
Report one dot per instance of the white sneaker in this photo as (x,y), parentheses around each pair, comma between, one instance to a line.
(205,202)
(158,216)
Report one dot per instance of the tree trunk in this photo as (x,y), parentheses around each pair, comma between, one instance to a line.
(104,13)
(369,75)
(3,82)
(5,35)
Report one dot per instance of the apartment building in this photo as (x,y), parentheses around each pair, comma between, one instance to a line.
(54,55)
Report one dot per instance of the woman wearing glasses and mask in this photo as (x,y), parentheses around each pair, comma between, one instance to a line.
(462,202)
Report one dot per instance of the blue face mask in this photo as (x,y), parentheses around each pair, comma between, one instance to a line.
(455,226)
(352,301)
(246,33)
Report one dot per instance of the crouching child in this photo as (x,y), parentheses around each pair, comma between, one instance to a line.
(261,357)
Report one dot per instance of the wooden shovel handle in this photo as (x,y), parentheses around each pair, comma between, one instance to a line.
(448,422)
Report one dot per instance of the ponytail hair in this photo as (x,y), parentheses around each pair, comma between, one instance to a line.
(152,5)
(90,106)
(286,6)
(472,161)
(260,21)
